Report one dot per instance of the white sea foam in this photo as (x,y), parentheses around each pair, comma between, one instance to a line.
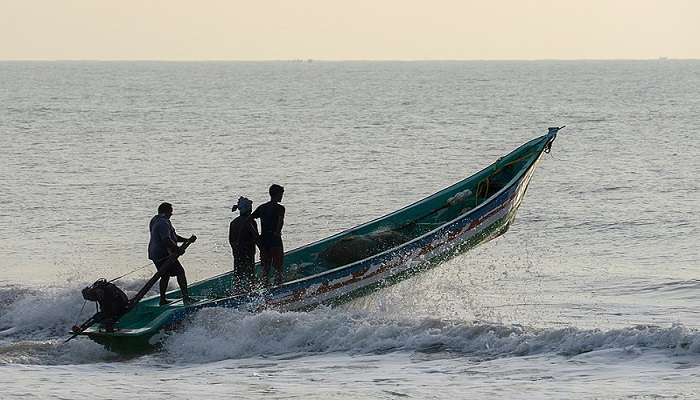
(54,352)
(217,334)
(34,323)
(40,313)
(47,312)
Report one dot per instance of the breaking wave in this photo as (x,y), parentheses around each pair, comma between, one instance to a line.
(217,334)
(54,352)
(46,312)
(34,323)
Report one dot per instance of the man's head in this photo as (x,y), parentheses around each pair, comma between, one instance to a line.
(244,205)
(276,193)
(165,209)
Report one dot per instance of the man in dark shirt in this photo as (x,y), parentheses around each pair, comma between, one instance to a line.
(271,216)
(163,251)
(243,236)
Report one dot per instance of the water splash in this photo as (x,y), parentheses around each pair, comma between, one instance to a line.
(217,334)
(46,313)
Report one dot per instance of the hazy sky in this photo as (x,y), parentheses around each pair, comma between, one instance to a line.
(348,29)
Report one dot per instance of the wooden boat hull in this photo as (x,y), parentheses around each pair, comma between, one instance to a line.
(491,218)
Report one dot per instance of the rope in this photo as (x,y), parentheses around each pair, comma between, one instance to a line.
(139,268)
(483,186)
(80,313)
(131,272)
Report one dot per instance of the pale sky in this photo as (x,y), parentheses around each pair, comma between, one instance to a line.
(348,30)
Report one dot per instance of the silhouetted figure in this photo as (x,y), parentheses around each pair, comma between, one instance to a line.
(243,236)
(163,251)
(271,216)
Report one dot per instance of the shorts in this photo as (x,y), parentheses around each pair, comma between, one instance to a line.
(169,267)
(269,241)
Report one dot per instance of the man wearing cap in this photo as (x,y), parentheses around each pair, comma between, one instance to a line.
(243,236)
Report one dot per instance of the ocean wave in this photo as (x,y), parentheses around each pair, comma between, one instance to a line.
(35,321)
(684,286)
(54,352)
(217,334)
(45,313)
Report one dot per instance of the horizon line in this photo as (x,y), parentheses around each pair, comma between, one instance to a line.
(329,60)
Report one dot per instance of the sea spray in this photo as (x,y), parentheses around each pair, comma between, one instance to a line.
(44,313)
(34,323)
(217,334)
(55,352)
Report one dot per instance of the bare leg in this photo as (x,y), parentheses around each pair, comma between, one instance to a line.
(182,282)
(266,264)
(278,262)
(163,288)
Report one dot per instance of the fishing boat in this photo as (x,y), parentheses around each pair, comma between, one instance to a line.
(357,261)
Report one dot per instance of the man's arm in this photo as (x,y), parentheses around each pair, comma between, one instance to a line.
(253,230)
(181,239)
(163,231)
(231,236)
(173,248)
(256,213)
(253,226)
(232,239)
(281,220)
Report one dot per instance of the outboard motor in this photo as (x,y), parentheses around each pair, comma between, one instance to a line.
(112,301)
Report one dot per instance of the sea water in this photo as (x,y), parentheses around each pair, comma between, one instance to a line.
(592,293)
